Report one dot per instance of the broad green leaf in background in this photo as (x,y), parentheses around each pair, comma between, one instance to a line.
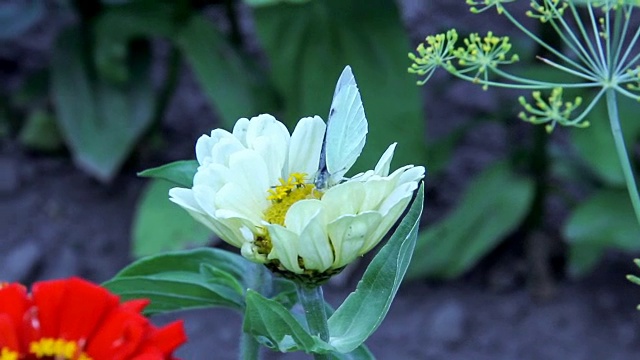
(221,71)
(160,225)
(365,308)
(34,91)
(119,24)
(185,280)
(308,46)
(101,122)
(595,144)
(272,2)
(493,205)
(439,151)
(605,220)
(40,132)
(178,172)
(18,16)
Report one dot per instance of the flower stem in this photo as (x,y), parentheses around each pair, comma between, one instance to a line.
(616,129)
(249,347)
(314,310)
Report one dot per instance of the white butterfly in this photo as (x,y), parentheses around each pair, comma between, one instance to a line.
(346,132)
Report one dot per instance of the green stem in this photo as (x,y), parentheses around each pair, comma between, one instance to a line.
(249,347)
(616,129)
(314,310)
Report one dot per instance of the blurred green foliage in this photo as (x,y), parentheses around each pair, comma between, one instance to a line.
(581,173)
(100,98)
(106,98)
(493,206)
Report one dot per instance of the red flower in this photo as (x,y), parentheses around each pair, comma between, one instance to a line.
(76,320)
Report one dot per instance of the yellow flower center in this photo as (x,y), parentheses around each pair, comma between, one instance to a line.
(7,354)
(57,349)
(286,194)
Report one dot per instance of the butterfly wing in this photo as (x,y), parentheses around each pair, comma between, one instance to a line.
(346,128)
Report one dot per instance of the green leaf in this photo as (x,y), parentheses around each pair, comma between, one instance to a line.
(493,205)
(285,292)
(596,146)
(276,328)
(221,71)
(309,44)
(185,280)
(365,308)
(439,152)
(360,314)
(40,131)
(178,172)
(160,225)
(34,91)
(100,122)
(605,220)
(18,17)
(361,353)
(257,3)
(118,25)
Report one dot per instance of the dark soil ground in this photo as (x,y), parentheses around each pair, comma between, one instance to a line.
(58,222)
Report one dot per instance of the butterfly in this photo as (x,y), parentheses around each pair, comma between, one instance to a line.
(346,132)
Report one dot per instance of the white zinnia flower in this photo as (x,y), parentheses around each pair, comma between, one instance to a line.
(255,189)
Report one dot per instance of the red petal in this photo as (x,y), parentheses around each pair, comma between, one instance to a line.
(13,313)
(71,309)
(8,334)
(15,302)
(150,354)
(136,305)
(169,337)
(120,336)
(47,296)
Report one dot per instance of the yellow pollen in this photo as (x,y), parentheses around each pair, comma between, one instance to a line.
(58,348)
(7,354)
(286,194)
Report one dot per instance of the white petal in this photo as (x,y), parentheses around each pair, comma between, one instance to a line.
(223,149)
(402,191)
(205,145)
(267,126)
(382,167)
(306,218)
(376,191)
(227,230)
(386,222)
(203,148)
(235,199)
(306,145)
(349,235)
(345,198)
(274,154)
(185,198)
(249,172)
(412,174)
(284,247)
(205,197)
(213,176)
(240,130)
